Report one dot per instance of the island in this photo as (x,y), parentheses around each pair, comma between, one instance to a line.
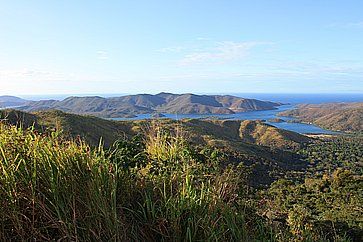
(116,107)
(127,115)
(157,115)
(276,120)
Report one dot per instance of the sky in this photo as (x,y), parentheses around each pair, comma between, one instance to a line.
(204,46)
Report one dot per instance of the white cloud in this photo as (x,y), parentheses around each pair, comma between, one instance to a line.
(221,52)
(31,74)
(284,71)
(102,55)
(172,49)
(317,71)
(356,25)
(351,25)
(203,38)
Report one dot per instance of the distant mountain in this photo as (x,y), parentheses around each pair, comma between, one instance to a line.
(146,103)
(334,116)
(11,101)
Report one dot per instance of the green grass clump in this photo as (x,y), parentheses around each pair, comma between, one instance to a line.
(51,188)
(56,189)
(183,193)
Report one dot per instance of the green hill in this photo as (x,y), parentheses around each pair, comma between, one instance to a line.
(268,135)
(247,131)
(256,141)
(92,129)
(269,152)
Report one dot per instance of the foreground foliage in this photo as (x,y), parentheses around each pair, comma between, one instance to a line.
(57,189)
(329,207)
(329,154)
(159,187)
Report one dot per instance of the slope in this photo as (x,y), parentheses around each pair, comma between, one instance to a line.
(335,116)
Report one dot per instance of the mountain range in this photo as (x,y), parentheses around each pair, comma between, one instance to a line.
(116,107)
(11,101)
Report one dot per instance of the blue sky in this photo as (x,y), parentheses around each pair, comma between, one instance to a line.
(204,46)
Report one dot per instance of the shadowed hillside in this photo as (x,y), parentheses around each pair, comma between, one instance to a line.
(19,118)
(92,129)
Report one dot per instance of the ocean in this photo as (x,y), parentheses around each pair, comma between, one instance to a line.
(290,101)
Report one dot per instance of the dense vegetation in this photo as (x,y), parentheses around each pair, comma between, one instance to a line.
(157,186)
(327,207)
(328,154)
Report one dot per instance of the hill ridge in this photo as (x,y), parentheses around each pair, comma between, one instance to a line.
(335,116)
(188,103)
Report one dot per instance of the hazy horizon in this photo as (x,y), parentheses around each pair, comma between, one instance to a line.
(278,97)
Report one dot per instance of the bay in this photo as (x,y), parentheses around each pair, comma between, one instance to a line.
(264,115)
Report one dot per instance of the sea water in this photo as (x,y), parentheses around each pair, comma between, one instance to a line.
(290,101)
(264,115)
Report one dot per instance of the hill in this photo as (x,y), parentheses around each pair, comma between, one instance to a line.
(11,101)
(244,132)
(93,129)
(145,103)
(268,135)
(262,146)
(335,116)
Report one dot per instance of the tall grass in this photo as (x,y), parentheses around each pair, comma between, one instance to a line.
(51,188)
(155,189)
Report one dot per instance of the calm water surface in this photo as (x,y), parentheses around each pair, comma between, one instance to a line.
(253,115)
(293,99)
